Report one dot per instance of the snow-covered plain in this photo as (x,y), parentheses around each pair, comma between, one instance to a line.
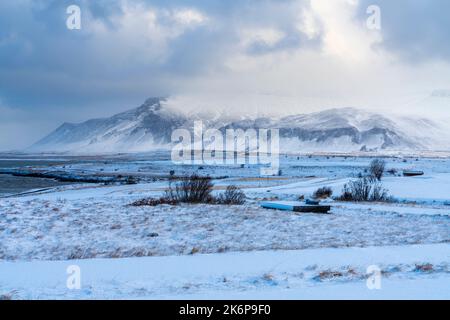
(213,251)
(107,227)
(412,272)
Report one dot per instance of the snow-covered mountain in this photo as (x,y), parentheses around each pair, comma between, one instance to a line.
(337,130)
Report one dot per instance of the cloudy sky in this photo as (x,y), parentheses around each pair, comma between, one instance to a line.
(282,56)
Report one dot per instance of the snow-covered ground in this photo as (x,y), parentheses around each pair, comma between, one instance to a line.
(411,272)
(214,251)
(106,227)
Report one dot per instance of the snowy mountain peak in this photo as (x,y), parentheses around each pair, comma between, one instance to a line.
(151,125)
(153,104)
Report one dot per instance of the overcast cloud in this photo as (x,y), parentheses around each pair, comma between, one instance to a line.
(298,56)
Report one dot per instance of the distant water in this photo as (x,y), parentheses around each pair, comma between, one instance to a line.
(12,185)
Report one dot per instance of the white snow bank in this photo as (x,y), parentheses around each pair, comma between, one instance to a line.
(299,274)
(428,188)
(398,289)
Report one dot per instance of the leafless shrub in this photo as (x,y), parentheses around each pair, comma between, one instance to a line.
(376,168)
(232,196)
(194,189)
(364,189)
(323,193)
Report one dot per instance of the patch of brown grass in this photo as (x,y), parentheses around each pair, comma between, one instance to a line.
(194,250)
(427,267)
(329,274)
(151,202)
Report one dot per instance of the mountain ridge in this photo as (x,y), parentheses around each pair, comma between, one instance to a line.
(150,126)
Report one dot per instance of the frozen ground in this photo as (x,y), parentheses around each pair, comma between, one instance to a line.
(106,227)
(204,251)
(406,272)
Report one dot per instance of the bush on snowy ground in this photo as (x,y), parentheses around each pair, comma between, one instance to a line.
(323,193)
(376,168)
(365,189)
(194,189)
(233,195)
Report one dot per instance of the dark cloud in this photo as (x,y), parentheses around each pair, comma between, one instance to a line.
(44,63)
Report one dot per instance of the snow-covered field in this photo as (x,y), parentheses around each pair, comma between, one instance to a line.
(215,251)
(106,227)
(407,272)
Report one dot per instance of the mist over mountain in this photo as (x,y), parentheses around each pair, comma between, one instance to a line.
(150,127)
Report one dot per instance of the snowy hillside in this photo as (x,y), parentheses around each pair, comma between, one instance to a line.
(336,130)
(139,129)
